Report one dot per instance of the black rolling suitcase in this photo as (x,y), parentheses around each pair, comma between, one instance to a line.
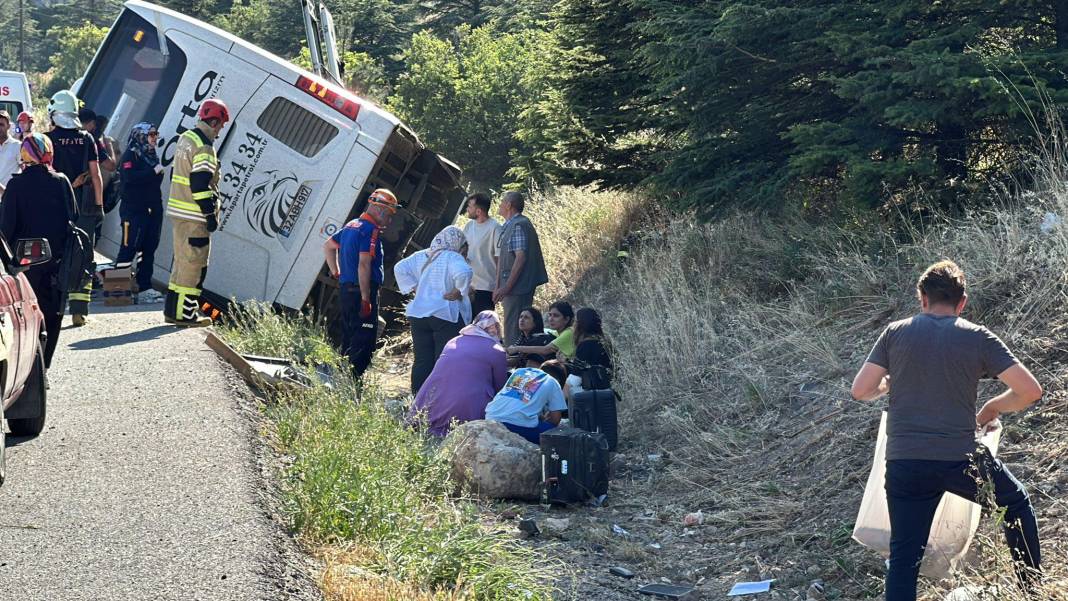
(574,466)
(595,411)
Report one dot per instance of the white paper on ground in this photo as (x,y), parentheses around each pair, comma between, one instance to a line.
(750,588)
(954,525)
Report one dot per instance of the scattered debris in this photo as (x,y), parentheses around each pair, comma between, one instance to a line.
(618,531)
(655,546)
(668,591)
(815,591)
(965,593)
(694,519)
(621,572)
(750,588)
(1050,221)
(557,524)
(529,526)
(654,457)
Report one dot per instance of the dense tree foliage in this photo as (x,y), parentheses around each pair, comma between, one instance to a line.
(464,99)
(717,104)
(76,48)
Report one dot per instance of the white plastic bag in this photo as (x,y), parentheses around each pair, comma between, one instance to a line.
(955,520)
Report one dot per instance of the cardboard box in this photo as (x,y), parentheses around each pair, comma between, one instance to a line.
(118,287)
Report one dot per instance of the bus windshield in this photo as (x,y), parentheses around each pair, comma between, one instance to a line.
(133,78)
(13,108)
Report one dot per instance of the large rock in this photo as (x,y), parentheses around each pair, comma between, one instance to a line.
(493,462)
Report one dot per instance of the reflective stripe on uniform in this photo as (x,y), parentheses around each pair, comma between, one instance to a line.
(178,179)
(187,215)
(78,296)
(203,195)
(183,205)
(183,290)
(206,157)
(203,168)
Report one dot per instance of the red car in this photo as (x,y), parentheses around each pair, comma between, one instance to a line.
(22,370)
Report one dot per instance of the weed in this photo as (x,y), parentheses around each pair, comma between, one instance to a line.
(358,478)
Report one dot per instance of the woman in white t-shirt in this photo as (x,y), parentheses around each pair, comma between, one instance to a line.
(441,279)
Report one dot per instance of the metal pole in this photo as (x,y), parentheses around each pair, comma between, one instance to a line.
(22,42)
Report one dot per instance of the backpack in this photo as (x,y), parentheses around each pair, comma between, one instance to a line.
(78,263)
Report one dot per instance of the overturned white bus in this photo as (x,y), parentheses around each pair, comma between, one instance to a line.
(298,159)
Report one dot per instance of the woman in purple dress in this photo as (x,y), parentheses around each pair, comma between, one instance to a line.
(470,370)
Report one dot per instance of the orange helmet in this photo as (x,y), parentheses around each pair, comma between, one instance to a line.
(214,109)
(385,199)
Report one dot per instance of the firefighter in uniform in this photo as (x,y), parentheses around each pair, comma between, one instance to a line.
(354,257)
(193,207)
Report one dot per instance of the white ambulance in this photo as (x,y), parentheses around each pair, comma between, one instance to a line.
(299,157)
(14,94)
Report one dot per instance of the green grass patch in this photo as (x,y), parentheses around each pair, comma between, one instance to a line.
(358,475)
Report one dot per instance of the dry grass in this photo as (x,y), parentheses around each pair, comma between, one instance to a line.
(343,578)
(578,229)
(736,342)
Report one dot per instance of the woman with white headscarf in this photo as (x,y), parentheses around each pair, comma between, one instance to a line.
(441,279)
(471,369)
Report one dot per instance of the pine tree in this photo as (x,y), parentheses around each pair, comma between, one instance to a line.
(593,121)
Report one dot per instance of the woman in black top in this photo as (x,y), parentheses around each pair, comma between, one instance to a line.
(593,359)
(531,333)
(37,204)
(141,210)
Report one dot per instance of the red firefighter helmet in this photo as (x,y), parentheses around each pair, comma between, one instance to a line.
(214,109)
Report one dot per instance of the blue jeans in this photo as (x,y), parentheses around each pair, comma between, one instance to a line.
(531,434)
(913,490)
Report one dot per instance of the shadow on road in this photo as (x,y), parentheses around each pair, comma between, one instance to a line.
(129,338)
(14,441)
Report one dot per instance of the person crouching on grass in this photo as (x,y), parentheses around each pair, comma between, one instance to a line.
(930,364)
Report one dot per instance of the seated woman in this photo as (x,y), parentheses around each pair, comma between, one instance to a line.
(561,318)
(532,401)
(441,279)
(471,369)
(592,364)
(531,333)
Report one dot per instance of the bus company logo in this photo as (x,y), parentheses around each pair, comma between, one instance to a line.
(303,194)
(207,87)
(269,202)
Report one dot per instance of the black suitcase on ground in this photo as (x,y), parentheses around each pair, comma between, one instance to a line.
(574,466)
(595,411)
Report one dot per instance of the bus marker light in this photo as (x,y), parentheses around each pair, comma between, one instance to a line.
(335,100)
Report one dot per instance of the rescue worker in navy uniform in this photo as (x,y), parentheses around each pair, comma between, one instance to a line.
(75,156)
(37,204)
(141,210)
(193,208)
(354,257)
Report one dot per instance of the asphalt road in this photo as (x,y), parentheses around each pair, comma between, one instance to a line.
(147,482)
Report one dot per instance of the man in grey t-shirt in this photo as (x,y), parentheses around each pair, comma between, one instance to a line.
(934,361)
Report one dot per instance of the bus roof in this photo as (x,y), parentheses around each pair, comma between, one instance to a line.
(270,62)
